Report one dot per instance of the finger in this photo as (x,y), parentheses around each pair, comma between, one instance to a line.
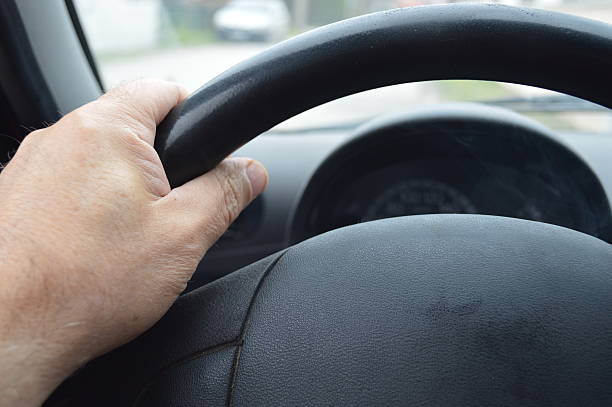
(141,104)
(210,203)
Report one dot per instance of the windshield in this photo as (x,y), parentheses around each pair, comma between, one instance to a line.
(192,41)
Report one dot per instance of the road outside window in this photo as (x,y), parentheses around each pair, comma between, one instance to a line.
(192,41)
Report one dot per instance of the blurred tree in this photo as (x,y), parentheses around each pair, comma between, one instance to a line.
(308,13)
(196,14)
(362,6)
(327,11)
(300,9)
(192,14)
(188,21)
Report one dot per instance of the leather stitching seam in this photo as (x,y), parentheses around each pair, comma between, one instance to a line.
(215,348)
(243,329)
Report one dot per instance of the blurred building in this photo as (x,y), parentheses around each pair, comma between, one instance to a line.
(115,26)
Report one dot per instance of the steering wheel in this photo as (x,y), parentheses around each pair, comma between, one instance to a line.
(425,310)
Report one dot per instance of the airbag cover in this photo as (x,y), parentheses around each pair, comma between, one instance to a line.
(433,310)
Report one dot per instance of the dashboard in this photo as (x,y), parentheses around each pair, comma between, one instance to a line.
(447,159)
(474,161)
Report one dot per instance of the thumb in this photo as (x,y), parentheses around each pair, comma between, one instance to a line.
(207,205)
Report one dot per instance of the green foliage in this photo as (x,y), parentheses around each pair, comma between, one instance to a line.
(192,15)
(326,11)
(472,90)
(187,23)
(187,36)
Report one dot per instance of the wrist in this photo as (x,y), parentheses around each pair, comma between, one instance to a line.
(30,372)
(33,362)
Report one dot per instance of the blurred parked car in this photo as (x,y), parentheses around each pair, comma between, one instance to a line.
(259,20)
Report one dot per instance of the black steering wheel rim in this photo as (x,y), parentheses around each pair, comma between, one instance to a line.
(463,41)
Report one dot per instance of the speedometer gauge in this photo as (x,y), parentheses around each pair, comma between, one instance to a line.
(418,197)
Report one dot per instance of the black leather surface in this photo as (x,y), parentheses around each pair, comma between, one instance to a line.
(198,382)
(434,311)
(426,310)
(198,325)
(461,41)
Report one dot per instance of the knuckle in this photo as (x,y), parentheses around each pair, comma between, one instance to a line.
(84,124)
(34,142)
(36,134)
(33,138)
(134,123)
(114,116)
(147,82)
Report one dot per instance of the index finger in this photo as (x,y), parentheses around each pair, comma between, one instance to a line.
(144,102)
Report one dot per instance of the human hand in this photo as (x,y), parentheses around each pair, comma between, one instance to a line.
(95,246)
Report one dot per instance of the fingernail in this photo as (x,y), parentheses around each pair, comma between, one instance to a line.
(258,176)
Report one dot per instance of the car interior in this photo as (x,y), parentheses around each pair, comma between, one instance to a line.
(448,253)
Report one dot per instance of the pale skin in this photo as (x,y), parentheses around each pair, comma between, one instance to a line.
(94,245)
